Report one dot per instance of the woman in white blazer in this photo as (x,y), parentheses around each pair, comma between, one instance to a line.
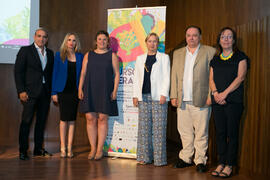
(151,96)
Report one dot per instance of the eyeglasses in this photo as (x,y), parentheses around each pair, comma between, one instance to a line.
(226,37)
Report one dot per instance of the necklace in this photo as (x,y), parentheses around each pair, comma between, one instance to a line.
(225,58)
(145,67)
(148,68)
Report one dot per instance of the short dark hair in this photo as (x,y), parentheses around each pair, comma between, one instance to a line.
(193,26)
(102,32)
(218,46)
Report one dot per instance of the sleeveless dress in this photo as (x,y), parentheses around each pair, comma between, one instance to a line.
(68,98)
(98,85)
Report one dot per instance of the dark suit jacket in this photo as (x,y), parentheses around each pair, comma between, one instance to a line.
(28,71)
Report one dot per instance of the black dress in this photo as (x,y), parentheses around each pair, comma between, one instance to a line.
(98,85)
(68,98)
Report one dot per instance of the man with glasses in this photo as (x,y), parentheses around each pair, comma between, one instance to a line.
(190,93)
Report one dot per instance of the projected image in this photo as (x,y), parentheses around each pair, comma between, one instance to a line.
(15,22)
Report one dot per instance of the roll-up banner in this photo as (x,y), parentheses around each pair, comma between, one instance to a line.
(128,29)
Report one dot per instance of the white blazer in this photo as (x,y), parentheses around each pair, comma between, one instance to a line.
(159,77)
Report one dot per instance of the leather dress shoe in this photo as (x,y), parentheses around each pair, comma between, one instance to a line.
(23,156)
(42,152)
(181,164)
(201,168)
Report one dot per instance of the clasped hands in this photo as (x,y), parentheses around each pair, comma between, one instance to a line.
(220,98)
(175,103)
(161,101)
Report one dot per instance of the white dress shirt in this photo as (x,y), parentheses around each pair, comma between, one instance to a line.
(188,74)
(42,57)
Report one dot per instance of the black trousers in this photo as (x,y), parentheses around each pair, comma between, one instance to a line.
(40,106)
(227,119)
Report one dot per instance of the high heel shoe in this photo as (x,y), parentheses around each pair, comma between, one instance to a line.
(218,170)
(70,153)
(99,156)
(141,162)
(226,172)
(63,153)
(91,155)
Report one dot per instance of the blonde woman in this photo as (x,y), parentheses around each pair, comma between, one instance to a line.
(65,81)
(151,94)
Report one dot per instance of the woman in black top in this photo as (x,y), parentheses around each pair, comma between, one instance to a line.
(151,94)
(65,80)
(227,72)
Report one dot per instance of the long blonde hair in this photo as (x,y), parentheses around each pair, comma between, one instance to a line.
(64,48)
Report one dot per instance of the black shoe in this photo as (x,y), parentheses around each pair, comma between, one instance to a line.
(201,168)
(223,174)
(181,164)
(23,156)
(42,152)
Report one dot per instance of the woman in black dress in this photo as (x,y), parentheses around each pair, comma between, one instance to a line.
(97,91)
(227,73)
(65,81)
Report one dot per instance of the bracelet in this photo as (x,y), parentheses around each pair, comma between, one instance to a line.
(213,92)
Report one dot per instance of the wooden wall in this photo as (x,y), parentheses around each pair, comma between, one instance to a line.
(85,17)
(249,18)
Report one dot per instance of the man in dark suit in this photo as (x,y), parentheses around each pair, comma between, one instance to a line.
(33,75)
